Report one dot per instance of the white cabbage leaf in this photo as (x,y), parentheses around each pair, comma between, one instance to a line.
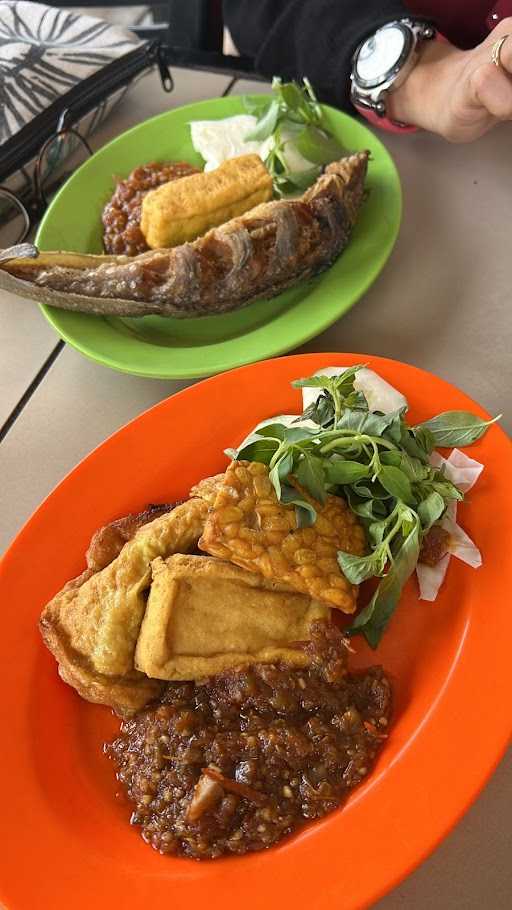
(464,472)
(380,395)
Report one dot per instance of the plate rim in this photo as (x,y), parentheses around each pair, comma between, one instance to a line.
(231,360)
(442,830)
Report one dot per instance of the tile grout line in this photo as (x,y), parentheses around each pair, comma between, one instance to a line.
(29,391)
(229,87)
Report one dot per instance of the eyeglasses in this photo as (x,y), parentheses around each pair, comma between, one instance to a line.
(22,207)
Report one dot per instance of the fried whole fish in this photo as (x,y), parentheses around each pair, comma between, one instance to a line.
(260,254)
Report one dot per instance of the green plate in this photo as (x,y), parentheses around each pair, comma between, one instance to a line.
(168,348)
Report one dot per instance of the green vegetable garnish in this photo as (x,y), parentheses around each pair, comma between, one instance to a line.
(293,117)
(380,465)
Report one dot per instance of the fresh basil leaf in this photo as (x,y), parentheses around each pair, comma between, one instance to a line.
(266,124)
(285,466)
(231,453)
(274,430)
(314,145)
(356,400)
(320,411)
(408,521)
(374,491)
(425,439)
(396,482)
(312,382)
(305,512)
(310,475)
(279,473)
(300,435)
(376,532)
(290,94)
(261,450)
(343,383)
(446,488)
(349,373)
(393,431)
(366,422)
(373,619)
(456,428)
(417,444)
(357,569)
(369,510)
(343,472)
(413,468)
(431,509)
(393,457)
(275,480)
(284,433)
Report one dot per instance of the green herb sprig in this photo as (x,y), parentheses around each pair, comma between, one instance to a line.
(381,465)
(293,117)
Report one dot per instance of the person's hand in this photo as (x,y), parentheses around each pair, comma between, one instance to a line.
(458,94)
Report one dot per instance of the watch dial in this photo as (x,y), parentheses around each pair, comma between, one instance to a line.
(380,53)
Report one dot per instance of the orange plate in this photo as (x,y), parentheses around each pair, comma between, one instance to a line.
(66,841)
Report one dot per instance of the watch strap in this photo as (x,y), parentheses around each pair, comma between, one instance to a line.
(384,123)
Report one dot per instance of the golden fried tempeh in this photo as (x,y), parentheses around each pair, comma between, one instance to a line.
(93,624)
(248,526)
(184,209)
(205,616)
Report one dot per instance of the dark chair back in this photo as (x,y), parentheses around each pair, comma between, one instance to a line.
(191,33)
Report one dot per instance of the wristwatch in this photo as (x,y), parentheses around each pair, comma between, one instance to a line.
(382,63)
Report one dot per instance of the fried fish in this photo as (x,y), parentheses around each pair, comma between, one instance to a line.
(205,616)
(272,247)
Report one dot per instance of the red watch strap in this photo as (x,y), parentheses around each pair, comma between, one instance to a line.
(384,122)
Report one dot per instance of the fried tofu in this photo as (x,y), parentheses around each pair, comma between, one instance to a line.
(205,616)
(250,527)
(93,624)
(182,210)
(207,488)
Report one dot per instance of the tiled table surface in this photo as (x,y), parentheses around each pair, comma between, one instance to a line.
(443,302)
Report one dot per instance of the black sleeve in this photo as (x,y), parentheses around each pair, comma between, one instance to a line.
(313,38)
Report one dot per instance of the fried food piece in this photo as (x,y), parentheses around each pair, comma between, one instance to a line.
(208,488)
(122,213)
(92,625)
(108,541)
(183,210)
(434,546)
(248,526)
(205,616)
(269,249)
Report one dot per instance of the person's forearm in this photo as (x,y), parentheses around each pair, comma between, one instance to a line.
(457,94)
(314,38)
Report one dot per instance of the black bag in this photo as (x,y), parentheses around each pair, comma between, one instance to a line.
(61,73)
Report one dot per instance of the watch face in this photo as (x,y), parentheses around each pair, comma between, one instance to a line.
(381,54)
